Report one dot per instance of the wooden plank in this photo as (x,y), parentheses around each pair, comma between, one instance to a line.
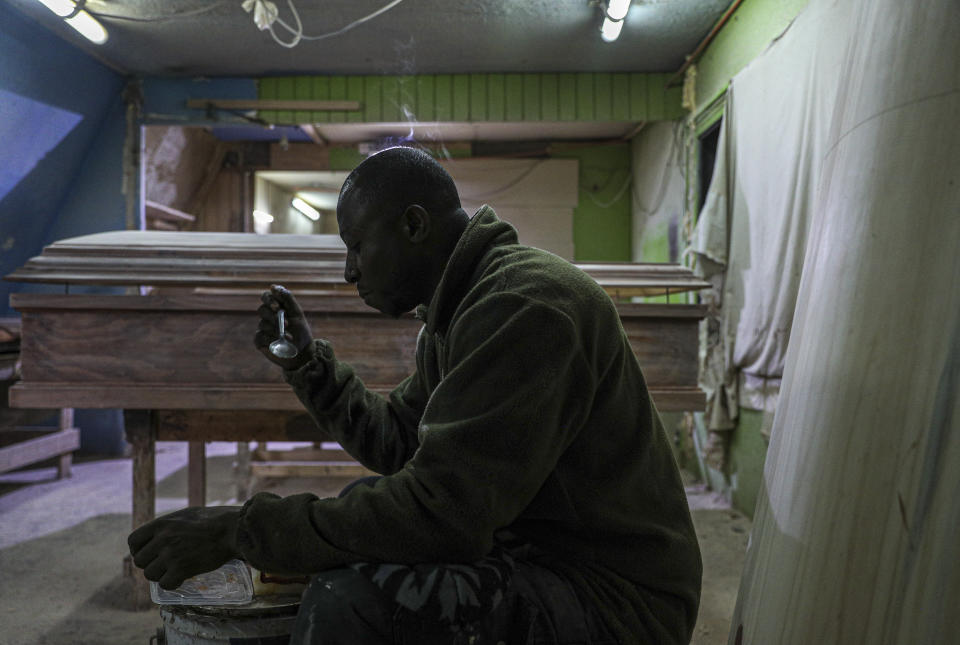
(308,469)
(140,430)
(233,425)
(478,97)
(496,88)
(373,98)
(407,91)
(285,89)
(302,454)
(166,213)
(585,96)
(284,86)
(620,97)
(461,97)
(63,367)
(531,97)
(514,97)
(603,97)
(35,446)
(356,93)
(655,97)
(444,97)
(638,98)
(241,472)
(426,101)
(568,97)
(338,92)
(184,348)
(323,304)
(678,399)
(316,88)
(673,103)
(66,458)
(196,474)
(390,97)
(550,97)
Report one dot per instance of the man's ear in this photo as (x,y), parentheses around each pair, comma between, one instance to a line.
(416,223)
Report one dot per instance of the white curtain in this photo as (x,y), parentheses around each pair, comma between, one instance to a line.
(754,227)
(855,533)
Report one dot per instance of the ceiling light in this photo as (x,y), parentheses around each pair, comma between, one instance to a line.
(610,30)
(617,9)
(77,18)
(613,19)
(308,211)
(262,216)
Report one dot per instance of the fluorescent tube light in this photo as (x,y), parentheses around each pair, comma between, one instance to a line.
(60,7)
(82,21)
(308,211)
(89,27)
(610,30)
(617,9)
(261,216)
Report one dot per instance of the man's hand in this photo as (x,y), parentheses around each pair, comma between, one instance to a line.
(297,328)
(180,545)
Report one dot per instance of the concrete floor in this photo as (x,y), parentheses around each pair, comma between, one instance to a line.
(62,543)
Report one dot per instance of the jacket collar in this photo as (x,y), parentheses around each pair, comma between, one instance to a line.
(484,231)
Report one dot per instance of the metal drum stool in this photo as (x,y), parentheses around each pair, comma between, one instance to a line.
(265,621)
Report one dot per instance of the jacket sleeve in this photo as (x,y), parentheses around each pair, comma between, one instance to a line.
(379,433)
(517,390)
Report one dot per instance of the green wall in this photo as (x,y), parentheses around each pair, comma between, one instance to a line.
(602,222)
(478,97)
(747,34)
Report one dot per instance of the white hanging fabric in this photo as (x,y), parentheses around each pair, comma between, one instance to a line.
(753,229)
(855,532)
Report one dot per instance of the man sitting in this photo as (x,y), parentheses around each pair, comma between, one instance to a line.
(529,493)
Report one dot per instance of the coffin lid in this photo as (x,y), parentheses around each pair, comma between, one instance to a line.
(227,261)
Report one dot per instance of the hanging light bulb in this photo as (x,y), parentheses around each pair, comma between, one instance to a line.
(80,20)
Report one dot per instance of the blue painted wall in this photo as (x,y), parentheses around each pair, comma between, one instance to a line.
(62,150)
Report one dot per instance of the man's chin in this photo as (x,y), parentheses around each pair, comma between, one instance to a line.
(390,308)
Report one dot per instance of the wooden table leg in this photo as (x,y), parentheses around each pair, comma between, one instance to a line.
(197,474)
(141,431)
(66,459)
(241,471)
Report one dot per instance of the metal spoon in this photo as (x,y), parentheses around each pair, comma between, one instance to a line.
(282,348)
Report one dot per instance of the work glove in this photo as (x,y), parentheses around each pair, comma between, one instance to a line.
(297,329)
(186,543)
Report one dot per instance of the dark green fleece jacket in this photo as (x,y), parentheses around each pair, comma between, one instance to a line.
(527,412)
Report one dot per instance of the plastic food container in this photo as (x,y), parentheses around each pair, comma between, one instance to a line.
(229,585)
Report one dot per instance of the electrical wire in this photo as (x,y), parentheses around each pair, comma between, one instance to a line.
(170,16)
(299,31)
(510,184)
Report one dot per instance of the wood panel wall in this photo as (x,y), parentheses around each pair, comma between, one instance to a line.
(479,97)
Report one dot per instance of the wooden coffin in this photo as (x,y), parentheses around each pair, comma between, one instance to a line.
(188,345)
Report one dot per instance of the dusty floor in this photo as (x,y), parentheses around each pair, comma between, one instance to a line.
(62,542)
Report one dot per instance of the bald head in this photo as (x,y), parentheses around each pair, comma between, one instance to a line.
(396,178)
